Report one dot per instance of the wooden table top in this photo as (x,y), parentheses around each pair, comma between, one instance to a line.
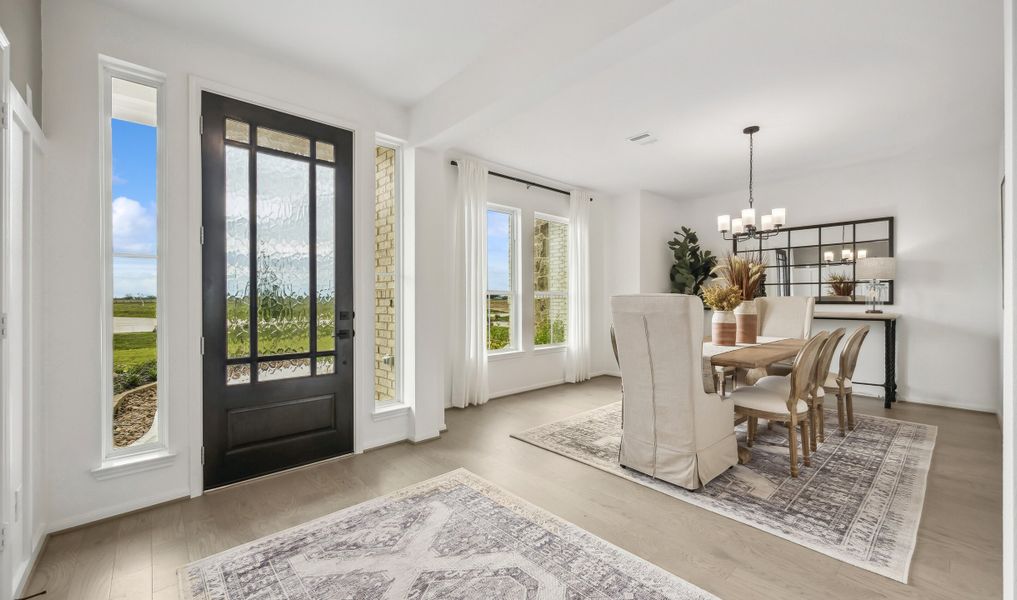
(761,355)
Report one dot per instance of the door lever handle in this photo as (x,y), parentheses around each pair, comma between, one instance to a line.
(343,334)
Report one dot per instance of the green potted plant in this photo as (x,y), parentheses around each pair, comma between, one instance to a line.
(723,299)
(693,266)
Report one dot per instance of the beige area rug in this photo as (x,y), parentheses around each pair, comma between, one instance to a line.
(454,537)
(859,502)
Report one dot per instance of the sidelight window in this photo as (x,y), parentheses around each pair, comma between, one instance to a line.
(387,322)
(133,322)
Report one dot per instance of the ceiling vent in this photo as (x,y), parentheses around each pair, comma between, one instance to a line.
(643,138)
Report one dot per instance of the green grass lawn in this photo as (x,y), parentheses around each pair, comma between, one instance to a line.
(134,307)
(132,349)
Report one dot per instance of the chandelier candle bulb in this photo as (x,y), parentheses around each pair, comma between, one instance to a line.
(724,223)
(737,227)
(749,217)
(779,214)
(766,222)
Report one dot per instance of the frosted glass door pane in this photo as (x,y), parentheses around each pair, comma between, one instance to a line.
(284,265)
(238,253)
(325,234)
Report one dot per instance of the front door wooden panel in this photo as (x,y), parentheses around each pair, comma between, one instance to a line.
(277,297)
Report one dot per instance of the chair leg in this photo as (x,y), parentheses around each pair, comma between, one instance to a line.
(850,409)
(792,444)
(841,417)
(806,429)
(811,418)
(769,424)
(818,423)
(750,436)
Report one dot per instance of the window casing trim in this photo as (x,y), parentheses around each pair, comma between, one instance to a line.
(110,68)
(514,294)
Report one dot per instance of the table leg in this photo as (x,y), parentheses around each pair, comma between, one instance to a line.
(890,362)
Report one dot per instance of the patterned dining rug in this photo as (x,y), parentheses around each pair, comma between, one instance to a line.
(859,502)
(455,537)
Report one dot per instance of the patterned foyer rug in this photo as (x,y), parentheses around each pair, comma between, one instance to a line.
(454,537)
(859,502)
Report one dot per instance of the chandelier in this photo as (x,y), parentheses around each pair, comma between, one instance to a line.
(745,228)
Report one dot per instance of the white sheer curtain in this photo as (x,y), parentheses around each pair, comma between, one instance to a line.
(577,356)
(469,321)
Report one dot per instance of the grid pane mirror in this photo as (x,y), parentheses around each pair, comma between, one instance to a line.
(821,260)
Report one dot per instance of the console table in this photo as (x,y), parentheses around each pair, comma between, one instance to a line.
(890,346)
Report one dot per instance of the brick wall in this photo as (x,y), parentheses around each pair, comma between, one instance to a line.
(550,272)
(385,274)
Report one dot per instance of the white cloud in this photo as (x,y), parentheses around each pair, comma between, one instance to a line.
(133,227)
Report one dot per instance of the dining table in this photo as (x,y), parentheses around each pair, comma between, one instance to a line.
(760,355)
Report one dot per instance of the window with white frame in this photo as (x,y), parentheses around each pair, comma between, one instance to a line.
(550,280)
(387,301)
(134,418)
(502,305)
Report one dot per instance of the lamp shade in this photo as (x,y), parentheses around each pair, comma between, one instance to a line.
(878,268)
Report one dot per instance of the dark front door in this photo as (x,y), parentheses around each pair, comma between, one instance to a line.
(277,271)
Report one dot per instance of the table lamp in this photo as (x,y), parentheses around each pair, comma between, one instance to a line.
(875,270)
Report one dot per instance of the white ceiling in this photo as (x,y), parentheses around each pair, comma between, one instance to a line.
(554,89)
(831,82)
(399,49)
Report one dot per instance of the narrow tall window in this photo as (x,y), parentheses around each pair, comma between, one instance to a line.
(550,280)
(131,240)
(501,280)
(386,274)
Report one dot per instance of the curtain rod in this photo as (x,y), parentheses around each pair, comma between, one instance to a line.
(523,181)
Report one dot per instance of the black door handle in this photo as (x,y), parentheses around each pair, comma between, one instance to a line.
(343,334)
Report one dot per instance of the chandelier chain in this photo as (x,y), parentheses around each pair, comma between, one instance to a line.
(750,170)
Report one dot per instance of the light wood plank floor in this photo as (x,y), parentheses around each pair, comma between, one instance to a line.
(959,544)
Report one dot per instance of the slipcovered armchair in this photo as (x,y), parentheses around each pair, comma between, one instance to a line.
(674,427)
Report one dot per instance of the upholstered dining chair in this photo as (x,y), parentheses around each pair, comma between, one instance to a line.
(785,316)
(839,383)
(817,421)
(673,427)
(790,406)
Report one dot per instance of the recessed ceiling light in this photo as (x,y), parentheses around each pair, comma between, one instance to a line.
(643,138)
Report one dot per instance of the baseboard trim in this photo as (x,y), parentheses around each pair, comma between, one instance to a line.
(527,388)
(105,514)
(953,405)
(38,547)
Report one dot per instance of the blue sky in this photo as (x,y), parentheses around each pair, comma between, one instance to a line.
(499,225)
(134,209)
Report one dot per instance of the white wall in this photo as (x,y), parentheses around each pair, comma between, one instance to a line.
(948,263)
(79,32)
